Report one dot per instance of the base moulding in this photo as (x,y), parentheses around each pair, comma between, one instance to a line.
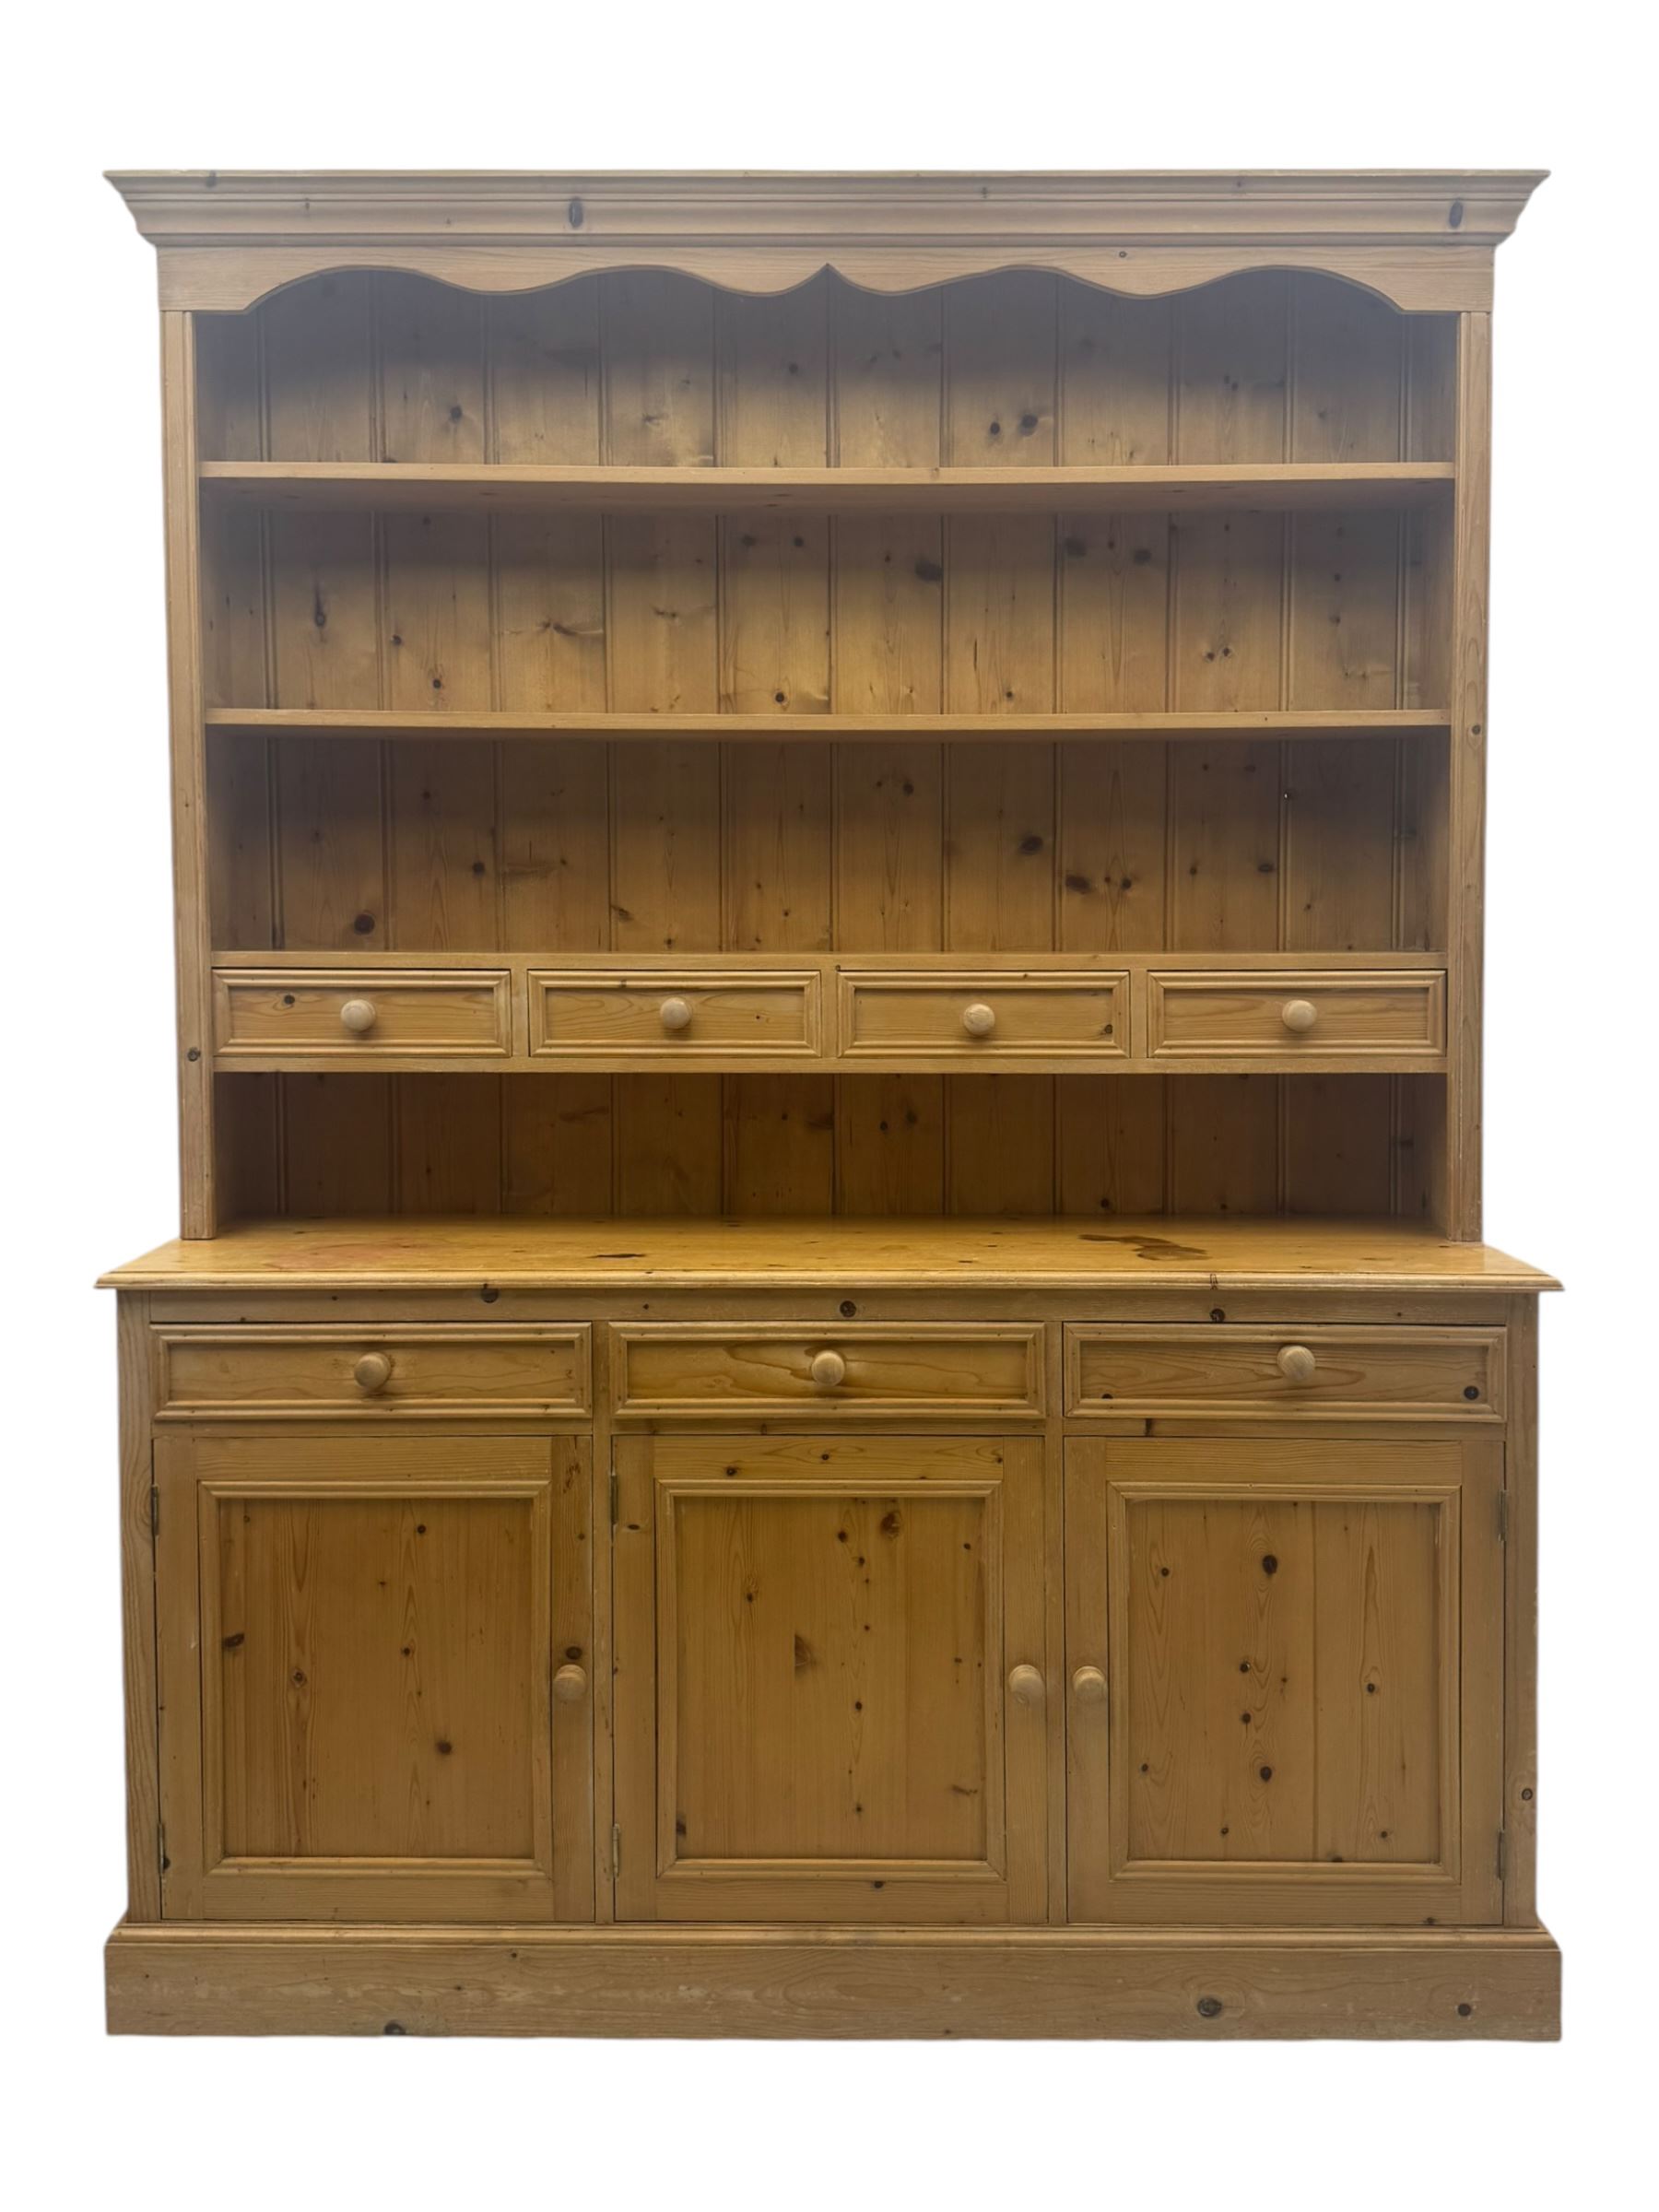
(842,1983)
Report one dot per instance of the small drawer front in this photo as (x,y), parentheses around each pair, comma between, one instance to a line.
(716,1367)
(332,1370)
(594,1014)
(1290,1014)
(269,1014)
(1374,1373)
(982,1018)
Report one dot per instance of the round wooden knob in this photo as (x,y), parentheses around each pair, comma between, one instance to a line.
(570,1683)
(357,1015)
(978,1020)
(829,1371)
(1026,1686)
(1297,1363)
(1088,1686)
(372,1372)
(1299,1014)
(674,1014)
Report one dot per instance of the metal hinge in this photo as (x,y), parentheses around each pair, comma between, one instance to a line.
(615,1491)
(155,1510)
(616,1852)
(161,1847)
(1503,1516)
(1501,1843)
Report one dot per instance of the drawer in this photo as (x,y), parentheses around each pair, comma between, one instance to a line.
(332,1370)
(1352,1372)
(267,1014)
(722,1367)
(1392,1013)
(977,1018)
(590,1014)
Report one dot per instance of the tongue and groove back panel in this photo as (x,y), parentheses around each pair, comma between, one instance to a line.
(547,845)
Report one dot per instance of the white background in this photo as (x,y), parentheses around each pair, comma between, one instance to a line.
(1570,1124)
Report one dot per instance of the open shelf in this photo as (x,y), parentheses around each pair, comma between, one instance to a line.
(371,722)
(1200,1253)
(1282,487)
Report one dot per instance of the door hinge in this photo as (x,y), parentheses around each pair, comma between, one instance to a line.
(615,1854)
(1503,1516)
(155,1510)
(1501,1844)
(161,1847)
(616,1487)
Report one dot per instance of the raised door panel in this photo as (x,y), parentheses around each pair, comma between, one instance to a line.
(814,1643)
(1283,1661)
(361,1718)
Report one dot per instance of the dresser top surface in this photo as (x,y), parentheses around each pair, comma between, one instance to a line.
(1090,1254)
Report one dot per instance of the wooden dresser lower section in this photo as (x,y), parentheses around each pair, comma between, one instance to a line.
(1128,1640)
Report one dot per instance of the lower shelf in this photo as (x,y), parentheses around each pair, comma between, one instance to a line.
(833,1983)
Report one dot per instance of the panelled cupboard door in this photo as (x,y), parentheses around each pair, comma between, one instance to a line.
(829,1692)
(1283,1692)
(375,1674)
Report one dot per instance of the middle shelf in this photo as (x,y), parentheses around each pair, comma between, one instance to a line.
(725,1013)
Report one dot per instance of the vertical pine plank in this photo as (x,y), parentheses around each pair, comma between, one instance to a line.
(442,846)
(1114,581)
(319,384)
(889,1135)
(772,396)
(999,1145)
(999,614)
(657,332)
(888,616)
(779,1145)
(889,854)
(778,862)
(1224,847)
(1348,372)
(1337,1133)
(330,848)
(664,847)
(555,1145)
(774,615)
(545,374)
(325,624)
(1111,1144)
(448,1154)
(554,846)
(887,388)
(1001,373)
(549,612)
(1339,857)
(1224,1147)
(1115,369)
(1232,371)
(438,618)
(431,353)
(239,854)
(668,1143)
(338,1144)
(1345,611)
(999,866)
(1228,648)
(1112,845)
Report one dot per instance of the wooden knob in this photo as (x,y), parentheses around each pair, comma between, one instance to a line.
(1297,1363)
(372,1372)
(357,1015)
(1026,1686)
(570,1683)
(979,1019)
(1088,1686)
(1299,1014)
(674,1014)
(829,1371)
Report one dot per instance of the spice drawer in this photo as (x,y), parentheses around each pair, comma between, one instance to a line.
(1297,1014)
(978,1019)
(271,1014)
(971,1370)
(331,1371)
(1373,1373)
(670,1018)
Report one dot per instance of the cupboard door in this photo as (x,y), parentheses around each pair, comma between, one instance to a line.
(1283,1665)
(362,1715)
(828,1685)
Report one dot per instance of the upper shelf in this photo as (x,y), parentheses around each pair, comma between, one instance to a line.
(807,729)
(1280,486)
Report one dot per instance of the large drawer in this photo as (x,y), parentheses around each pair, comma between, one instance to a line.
(668,1018)
(1290,1014)
(977,1018)
(332,1370)
(310,1013)
(1358,1372)
(971,1369)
